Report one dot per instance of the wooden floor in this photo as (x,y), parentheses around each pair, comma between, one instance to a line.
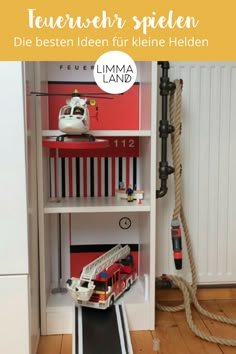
(172,331)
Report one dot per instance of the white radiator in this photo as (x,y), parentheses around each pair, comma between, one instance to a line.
(208,148)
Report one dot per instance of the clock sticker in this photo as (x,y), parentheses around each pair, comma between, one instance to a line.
(125,223)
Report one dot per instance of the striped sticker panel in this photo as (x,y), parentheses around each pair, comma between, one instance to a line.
(92,176)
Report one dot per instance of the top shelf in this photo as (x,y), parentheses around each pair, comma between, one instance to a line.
(103,133)
(52,143)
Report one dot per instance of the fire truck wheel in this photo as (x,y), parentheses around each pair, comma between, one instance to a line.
(112,300)
(128,285)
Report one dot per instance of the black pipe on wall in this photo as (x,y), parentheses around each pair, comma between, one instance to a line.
(166,87)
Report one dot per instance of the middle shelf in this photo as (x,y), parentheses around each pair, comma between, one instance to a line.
(91,205)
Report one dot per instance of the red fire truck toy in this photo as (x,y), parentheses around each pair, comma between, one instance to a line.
(105,279)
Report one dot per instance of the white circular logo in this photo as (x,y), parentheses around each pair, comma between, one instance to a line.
(115,72)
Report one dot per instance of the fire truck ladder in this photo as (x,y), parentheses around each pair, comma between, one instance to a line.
(103,262)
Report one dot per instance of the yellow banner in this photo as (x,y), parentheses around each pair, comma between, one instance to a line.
(146,30)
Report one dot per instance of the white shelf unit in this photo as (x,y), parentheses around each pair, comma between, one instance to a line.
(95,220)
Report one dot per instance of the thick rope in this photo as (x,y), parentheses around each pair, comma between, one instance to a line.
(175,104)
(188,290)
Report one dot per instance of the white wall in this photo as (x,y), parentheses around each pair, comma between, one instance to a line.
(208,148)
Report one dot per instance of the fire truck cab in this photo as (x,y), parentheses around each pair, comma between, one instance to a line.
(105,279)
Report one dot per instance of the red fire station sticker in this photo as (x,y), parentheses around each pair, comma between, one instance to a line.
(115,72)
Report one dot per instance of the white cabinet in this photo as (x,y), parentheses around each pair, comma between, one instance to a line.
(19,295)
(13,207)
(14,310)
(90,218)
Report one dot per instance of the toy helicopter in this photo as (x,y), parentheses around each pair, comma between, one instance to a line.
(73,118)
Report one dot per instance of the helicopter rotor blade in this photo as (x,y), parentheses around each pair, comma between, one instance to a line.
(77,94)
(102,97)
(94,93)
(99,94)
(50,94)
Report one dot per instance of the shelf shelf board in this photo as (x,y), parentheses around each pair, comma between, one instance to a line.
(59,302)
(94,205)
(103,133)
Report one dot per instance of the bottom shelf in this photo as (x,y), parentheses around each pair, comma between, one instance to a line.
(138,308)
